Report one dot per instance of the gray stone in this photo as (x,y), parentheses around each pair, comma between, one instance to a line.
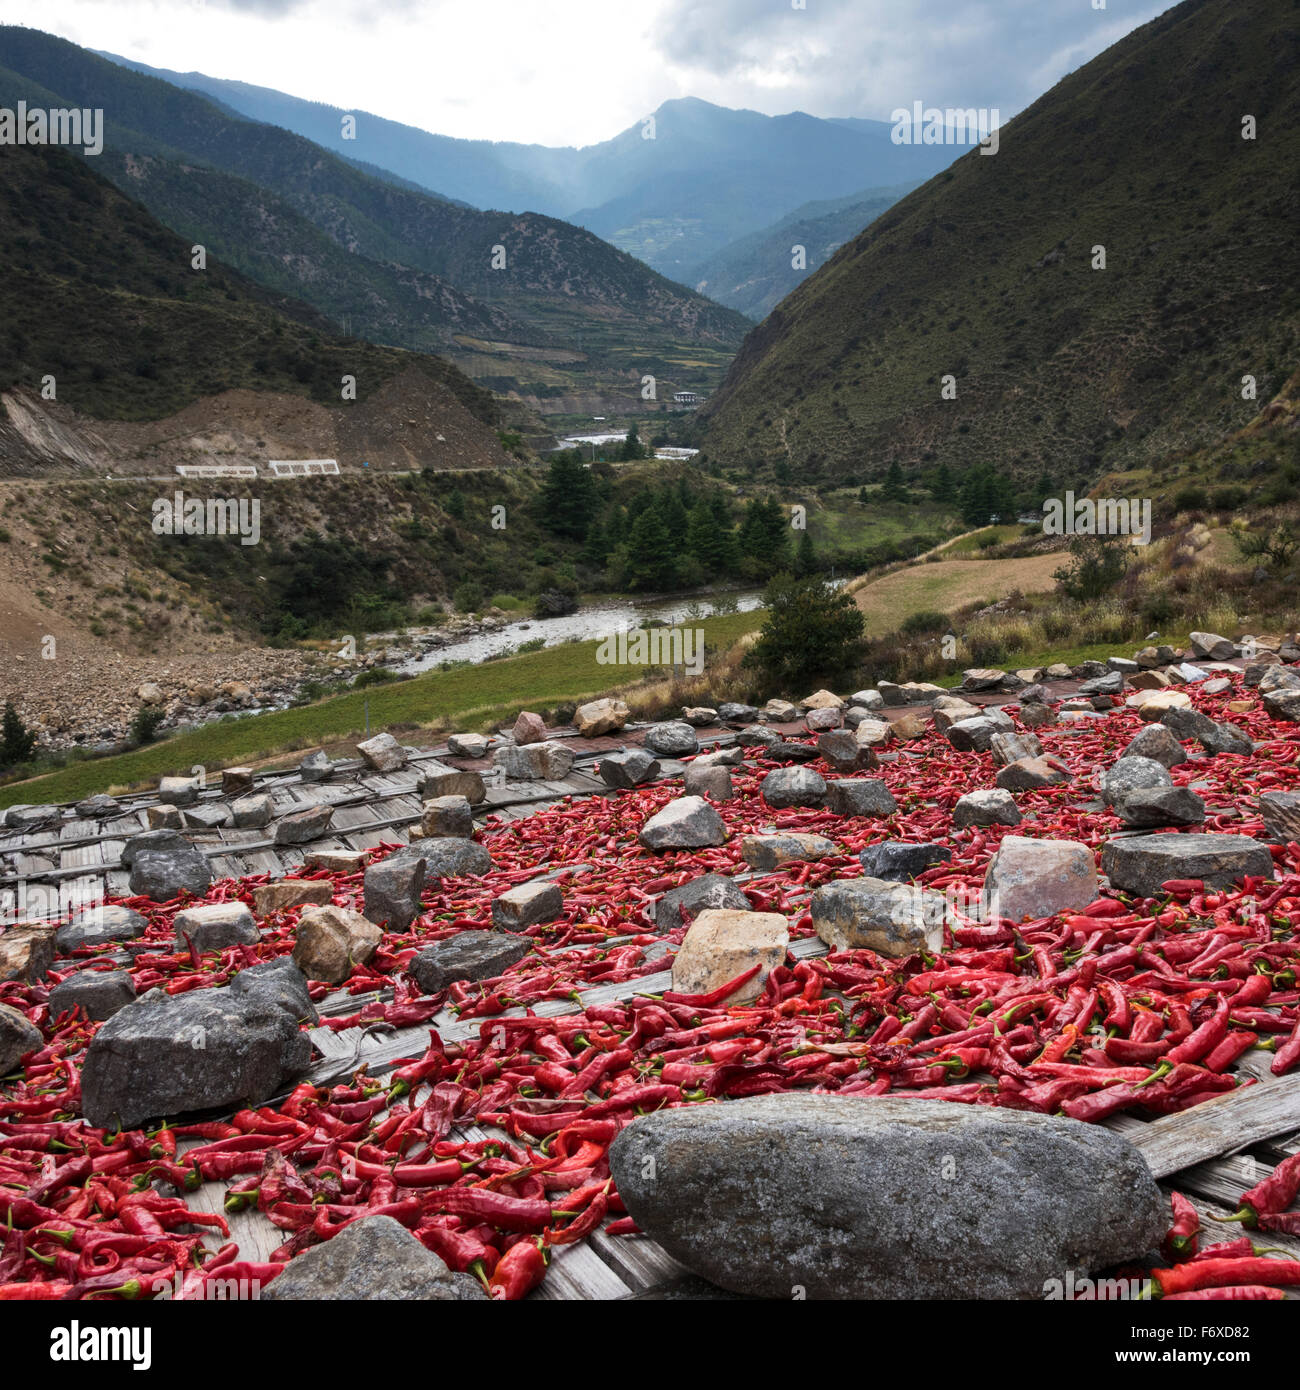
(164,874)
(1036,695)
(214,926)
(756,736)
(699,716)
(526,905)
(1214,738)
(898,862)
(721,757)
(383,753)
(1141,863)
(986,808)
(315,767)
(680,906)
(780,712)
(893,919)
(1283,705)
(252,812)
(1257,669)
(689,822)
(1130,774)
(982,678)
(713,782)
(1011,748)
(820,721)
(601,717)
(178,791)
(99,993)
(846,1197)
(628,769)
(843,753)
(206,1049)
(392,892)
(331,942)
(1209,645)
(732,713)
(164,817)
(1148,807)
(99,925)
(446,858)
(437,779)
(18,1036)
(976,735)
(237,781)
(764,853)
(1039,878)
(786,752)
(446,816)
(150,842)
(793,786)
(471,746)
(469,955)
(1027,774)
(98,807)
(371,1261)
(1122,664)
(529,728)
(675,739)
(208,817)
(1279,678)
(1158,744)
(298,827)
(1281,813)
(1112,683)
(867,699)
(860,796)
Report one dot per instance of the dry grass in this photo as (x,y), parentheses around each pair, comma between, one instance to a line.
(950,585)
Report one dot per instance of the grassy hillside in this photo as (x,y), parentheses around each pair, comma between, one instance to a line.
(556,280)
(97,294)
(985,274)
(754,274)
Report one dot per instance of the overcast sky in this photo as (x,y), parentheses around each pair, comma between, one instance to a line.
(578,71)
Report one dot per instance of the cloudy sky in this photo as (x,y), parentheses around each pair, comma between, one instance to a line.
(578,71)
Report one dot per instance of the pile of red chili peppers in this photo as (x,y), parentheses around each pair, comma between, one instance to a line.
(493,1151)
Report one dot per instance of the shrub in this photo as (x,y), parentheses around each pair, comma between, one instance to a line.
(1097,564)
(376,675)
(468,597)
(1191,499)
(924,622)
(811,629)
(144,727)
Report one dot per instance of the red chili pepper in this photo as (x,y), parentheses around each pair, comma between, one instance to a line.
(1236,1293)
(1272,1196)
(1289,1053)
(1207,1274)
(496,1208)
(715,996)
(520,1270)
(1180,1243)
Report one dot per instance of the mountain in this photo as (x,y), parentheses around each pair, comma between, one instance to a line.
(708,176)
(986,275)
(568,323)
(100,304)
(753,275)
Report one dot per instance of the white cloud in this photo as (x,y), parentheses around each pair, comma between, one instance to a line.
(578,71)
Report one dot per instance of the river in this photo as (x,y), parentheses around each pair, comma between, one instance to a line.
(591,622)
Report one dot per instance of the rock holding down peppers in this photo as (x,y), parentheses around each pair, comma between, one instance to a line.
(493,1151)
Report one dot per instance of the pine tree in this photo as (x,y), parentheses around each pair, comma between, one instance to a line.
(895,490)
(568,500)
(805,560)
(942,488)
(649,552)
(632,446)
(17,742)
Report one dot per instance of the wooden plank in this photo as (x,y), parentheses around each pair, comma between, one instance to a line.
(640,1262)
(578,1272)
(1228,1122)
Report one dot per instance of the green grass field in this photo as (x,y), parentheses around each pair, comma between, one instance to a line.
(469,697)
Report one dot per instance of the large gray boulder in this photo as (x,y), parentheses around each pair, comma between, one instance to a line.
(675,739)
(793,786)
(689,822)
(1210,646)
(844,1197)
(1141,863)
(976,735)
(892,919)
(437,779)
(99,925)
(1131,774)
(470,955)
(214,926)
(765,853)
(371,1261)
(206,1049)
(1112,683)
(163,872)
(997,807)
(680,906)
(279,983)
(298,827)
(1214,738)
(841,751)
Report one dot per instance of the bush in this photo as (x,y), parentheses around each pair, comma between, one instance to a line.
(925,622)
(1191,499)
(1097,564)
(988,541)
(376,675)
(811,630)
(468,597)
(144,727)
